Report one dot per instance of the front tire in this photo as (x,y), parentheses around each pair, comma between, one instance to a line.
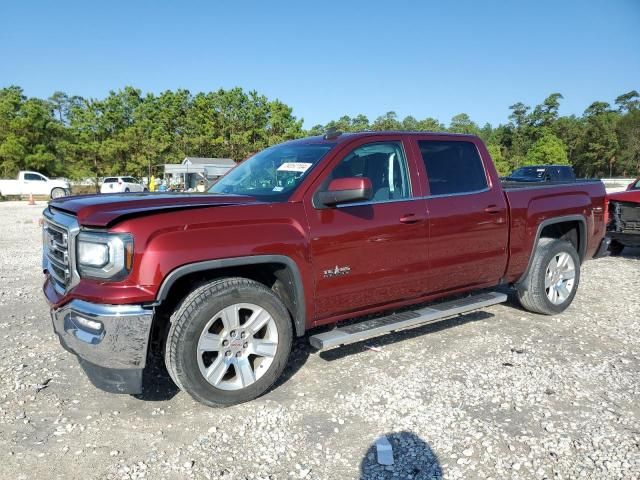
(553,278)
(58,193)
(229,342)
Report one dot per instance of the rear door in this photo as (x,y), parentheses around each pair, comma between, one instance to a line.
(468,228)
(372,252)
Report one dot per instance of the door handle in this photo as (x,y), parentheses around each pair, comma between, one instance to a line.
(410,218)
(493,209)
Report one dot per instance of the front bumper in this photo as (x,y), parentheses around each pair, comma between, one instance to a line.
(626,239)
(110,342)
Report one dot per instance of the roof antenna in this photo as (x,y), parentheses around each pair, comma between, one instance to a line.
(332,133)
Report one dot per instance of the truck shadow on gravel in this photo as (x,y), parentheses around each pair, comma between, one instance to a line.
(158,386)
(412,458)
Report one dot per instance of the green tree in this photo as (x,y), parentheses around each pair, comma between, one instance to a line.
(549,150)
(502,164)
(430,124)
(628,101)
(600,147)
(388,121)
(545,114)
(629,143)
(461,123)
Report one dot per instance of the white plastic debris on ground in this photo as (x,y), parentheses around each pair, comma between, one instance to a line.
(385,452)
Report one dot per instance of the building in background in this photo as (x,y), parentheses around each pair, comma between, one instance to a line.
(188,174)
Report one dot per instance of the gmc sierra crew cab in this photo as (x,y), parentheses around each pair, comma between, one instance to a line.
(302,235)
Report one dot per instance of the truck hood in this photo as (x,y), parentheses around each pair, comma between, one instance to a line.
(105,210)
(631,196)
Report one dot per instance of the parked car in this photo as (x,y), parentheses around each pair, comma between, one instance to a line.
(624,218)
(543,173)
(635,185)
(306,234)
(34,183)
(121,185)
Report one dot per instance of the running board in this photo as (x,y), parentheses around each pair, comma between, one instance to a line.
(378,326)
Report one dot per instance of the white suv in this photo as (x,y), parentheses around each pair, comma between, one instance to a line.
(120,185)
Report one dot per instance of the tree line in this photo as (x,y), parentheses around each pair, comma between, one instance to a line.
(134,134)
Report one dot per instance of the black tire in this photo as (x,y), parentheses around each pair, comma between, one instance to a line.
(192,316)
(531,291)
(58,192)
(615,248)
(126,190)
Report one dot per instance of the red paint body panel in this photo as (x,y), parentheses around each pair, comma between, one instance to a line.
(631,196)
(399,252)
(529,208)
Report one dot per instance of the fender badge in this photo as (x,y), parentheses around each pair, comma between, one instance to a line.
(336,271)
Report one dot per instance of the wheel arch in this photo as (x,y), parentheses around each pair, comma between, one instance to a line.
(278,272)
(560,228)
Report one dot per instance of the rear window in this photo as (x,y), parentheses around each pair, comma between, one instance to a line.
(528,172)
(109,180)
(452,167)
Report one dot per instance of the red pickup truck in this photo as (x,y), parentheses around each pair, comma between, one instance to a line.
(306,234)
(624,218)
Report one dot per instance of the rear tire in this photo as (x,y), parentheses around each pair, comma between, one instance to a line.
(126,190)
(229,342)
(553,278)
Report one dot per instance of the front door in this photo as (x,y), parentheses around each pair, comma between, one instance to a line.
(374,252)
(35,183)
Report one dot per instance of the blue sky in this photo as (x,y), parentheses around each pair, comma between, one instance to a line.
(326,59)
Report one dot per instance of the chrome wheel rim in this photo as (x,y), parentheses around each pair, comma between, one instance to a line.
(57,193)
(237,346)
(560,278)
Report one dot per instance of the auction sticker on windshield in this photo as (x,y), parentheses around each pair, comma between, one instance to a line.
(294,167)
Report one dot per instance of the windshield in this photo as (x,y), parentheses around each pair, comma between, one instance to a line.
(272,174)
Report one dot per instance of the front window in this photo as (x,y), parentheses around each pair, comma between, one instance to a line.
(382,163)
(33,177)
(272,174)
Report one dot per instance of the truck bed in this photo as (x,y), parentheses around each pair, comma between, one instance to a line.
(511,185)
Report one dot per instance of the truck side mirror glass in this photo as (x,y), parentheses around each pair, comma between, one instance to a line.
(346,190)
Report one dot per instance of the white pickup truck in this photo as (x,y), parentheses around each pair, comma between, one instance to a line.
(34,183)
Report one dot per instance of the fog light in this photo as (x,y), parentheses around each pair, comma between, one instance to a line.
(86,323)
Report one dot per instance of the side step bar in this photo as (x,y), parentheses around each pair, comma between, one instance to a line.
(378,326)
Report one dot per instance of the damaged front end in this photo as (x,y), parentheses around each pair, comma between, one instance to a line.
(624,224)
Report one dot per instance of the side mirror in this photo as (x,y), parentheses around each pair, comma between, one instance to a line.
(346,190)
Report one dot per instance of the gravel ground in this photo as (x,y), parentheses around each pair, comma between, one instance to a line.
(500,393)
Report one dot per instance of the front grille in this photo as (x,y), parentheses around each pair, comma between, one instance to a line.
(624,217)
(58,238)
(57,245)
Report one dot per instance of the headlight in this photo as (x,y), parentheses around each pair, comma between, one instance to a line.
(107,256)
